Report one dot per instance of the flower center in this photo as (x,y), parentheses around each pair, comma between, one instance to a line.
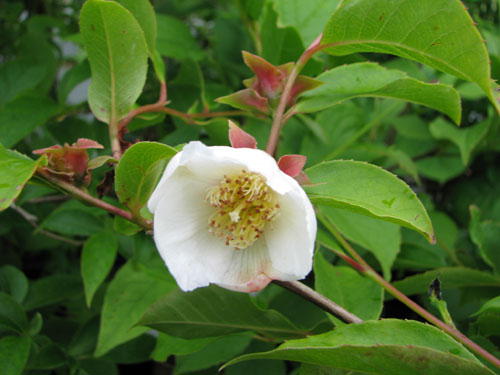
(244,204)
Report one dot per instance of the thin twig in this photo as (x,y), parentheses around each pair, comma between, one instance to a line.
(368,271)
(86,197)
(32,219)
(48,198)
(319,300)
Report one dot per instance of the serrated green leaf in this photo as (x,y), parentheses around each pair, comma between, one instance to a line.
(127,298)
(15,170)
(13,282)
(368,190)
(346,287)
(466,139)
(381,238)
(451,277)
(98,256)
(138,172)
(385,347)
(439,33)
(214,311)
(118,53)
(370,79)
(14,352)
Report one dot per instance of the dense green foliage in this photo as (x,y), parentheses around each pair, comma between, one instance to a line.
(402,142)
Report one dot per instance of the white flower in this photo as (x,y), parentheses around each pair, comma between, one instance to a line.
(230,216)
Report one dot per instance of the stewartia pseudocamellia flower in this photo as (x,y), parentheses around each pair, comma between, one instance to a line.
(230,216)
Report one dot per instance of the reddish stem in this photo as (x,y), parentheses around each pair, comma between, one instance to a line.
(278,120)
(370,272)
(86,197)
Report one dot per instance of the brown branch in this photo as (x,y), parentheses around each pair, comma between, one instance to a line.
(86,197)
(319,300)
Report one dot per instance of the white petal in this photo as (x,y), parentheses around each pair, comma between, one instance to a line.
(180,217)
(291,238)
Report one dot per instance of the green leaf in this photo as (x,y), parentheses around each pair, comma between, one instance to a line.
(450,277)
(280,45)
(175,40)
(127,298)
(17,76)
(486,235)
(52,290)
(439,33)
(133,351)
(441,168)
(98,256)
(144,13)
(14,352)
(381,238)
(21,116)
(368,190)
(385,347)
(50,356)
(118,54)
(13,282)
(308,369)
(219,351)
(466,139)
(346,287)
(309,18)
(98,366)
(125,227)
(36,324)
(138,172)
(214,311)
(72,222)
(169,345)
(12,316)
(492,306)
(71,79)
(370,79)
(15,170)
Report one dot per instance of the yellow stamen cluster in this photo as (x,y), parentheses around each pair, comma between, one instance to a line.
(244,204)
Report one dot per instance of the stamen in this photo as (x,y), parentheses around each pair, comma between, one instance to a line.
(243,204)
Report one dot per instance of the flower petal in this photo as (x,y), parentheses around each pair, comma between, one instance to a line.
(291,240)
(181,229)
(194,257)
